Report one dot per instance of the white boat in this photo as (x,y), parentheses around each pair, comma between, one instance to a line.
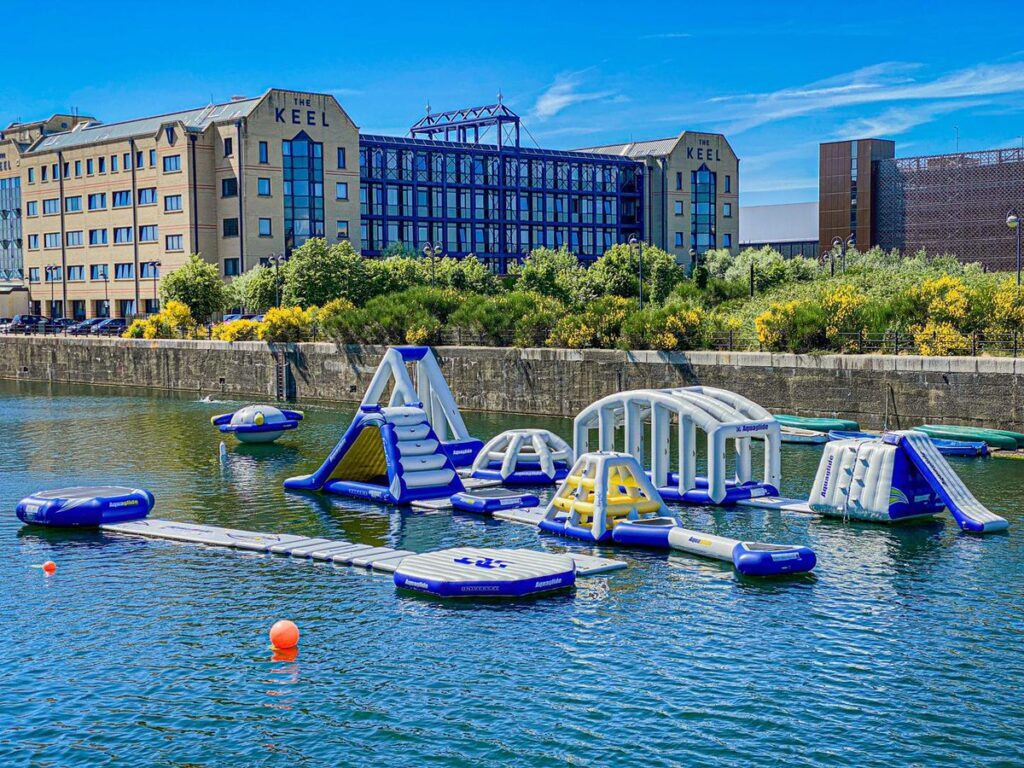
(805,436)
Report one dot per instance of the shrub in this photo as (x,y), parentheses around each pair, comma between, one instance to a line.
(174,320)
(257,290)
(286,324)
(598,324)
(938,338)
(796,326)
(466,274)
(1008,306)
(842,306)
(197,285)
(617,272)
(394,274)
(671,327)
(770,268)
(237,330)
(549,272)
(318,273)
(522,318)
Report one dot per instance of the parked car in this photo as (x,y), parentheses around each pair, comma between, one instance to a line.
(31,324)
(64,323)
(241,316)
(111,326)
(5,323)
(85,327)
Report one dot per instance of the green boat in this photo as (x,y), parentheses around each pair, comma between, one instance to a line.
(996,438)
(817,424)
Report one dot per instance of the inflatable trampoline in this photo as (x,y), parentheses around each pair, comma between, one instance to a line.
(524,457)
(85,506)
(480,572)
(257,423)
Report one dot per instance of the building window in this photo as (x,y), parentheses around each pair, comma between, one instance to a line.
(127,161)
(98,272)
(76,273)
(230,228)
(31,175)
(54,275)
(263,187)
(88,167)
(303,188)
(172,163)
(78,169)
(727,240)
(342,227)
(703,199)
(113,163)
(679,207)
(341,157)
(124,271)
(726,210)
(152,158)
(73,204)
(140,159)
(264,154)
(126,307)
(32,208)
(231,267)
(341,190)
(172,203)
(171,135)
(679,180)
(679,239)
(98,201)
(122,199)
(122,235)
(229,146)
(148,270)
(728,183)
(51,240)
(51,206)
(33,243)
(97,237)
(265,228)
(33,274)
(148,233)
(67,170)
(174,243)
(147,196)
(102,163)
(74,239)
(229,187)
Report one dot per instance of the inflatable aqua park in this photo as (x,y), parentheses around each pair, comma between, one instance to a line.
(85,506)
(607,497)
(524,457)
(257,423)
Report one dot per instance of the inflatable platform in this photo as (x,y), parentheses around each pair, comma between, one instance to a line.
(480,572)
(85,506)
(895,477)
(387,454)
(257,423)
(607,497)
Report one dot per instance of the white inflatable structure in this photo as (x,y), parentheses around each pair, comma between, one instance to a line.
(429,391)
(722,415)
(525,457)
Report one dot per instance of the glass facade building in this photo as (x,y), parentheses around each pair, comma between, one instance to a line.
(497,200)
(11,264)
(303,180)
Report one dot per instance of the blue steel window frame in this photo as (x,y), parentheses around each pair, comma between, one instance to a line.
(703,206)
(509,200)
(302,161)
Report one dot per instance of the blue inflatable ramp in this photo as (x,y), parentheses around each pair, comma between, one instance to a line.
(388,454)
(969,513)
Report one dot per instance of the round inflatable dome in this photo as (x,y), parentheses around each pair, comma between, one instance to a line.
(85,506)
(257,423)
(524,457)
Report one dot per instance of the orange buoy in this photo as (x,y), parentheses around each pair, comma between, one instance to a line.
(50,567)
(284,635)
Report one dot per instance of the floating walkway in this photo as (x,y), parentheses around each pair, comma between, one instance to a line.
(340,552)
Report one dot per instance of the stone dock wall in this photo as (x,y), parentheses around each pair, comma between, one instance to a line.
(904,390)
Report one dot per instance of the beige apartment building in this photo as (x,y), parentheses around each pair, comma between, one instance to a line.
(106,209)
(692,191)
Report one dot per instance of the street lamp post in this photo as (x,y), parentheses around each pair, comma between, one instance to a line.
(155,266)
(51,271)
(1013,222)
(431,251)
(106,290)
(276,259)
(634,242)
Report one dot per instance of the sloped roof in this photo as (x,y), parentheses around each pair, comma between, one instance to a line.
(194,119)
(648,148)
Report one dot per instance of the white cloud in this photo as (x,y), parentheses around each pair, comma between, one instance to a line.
(667,36)
(564,93)
(899,120)
(886,82)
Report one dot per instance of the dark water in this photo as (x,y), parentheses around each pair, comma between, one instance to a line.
(904,648)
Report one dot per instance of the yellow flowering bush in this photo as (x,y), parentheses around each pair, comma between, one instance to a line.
(286,324)
(673,327)
(238,330)
(173,320)
(936,339)
(943,299)
(1008,306)
(796,326)
(842,308)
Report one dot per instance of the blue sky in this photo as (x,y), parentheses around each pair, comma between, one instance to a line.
(776,78)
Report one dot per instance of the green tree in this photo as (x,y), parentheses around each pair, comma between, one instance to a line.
(197,285)
(617,272)
(318,273)
(255,290)
(550,272)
